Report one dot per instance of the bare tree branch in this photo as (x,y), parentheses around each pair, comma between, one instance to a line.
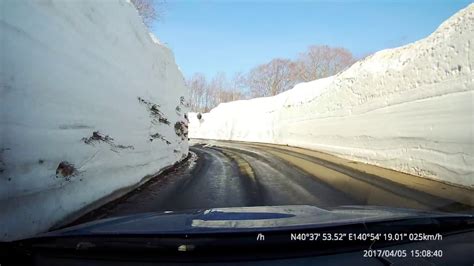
(322,61)
(268,79)
(150,10)
(271,78)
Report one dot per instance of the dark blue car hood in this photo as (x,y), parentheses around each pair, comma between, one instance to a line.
(240,219)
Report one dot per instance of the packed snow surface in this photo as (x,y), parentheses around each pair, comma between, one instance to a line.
(90,104)
(409,109)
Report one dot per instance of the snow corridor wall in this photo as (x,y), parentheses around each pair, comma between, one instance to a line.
(90,103)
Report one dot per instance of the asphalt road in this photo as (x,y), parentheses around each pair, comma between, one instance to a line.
(236,175)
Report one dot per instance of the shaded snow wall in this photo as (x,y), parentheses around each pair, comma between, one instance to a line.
(69,69)
(409,109)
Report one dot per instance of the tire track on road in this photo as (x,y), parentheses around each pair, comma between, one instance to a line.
(281,183)
(364,187)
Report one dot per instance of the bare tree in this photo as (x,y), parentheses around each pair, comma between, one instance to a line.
(268,79)
(207,95)
(150,10)
(271,78)
(198,90)
(322,61)
(238,86)
(224,90)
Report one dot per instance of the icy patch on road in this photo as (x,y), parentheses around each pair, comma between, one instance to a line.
(192,160)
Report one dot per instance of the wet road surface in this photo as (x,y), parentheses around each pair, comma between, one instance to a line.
(236,175)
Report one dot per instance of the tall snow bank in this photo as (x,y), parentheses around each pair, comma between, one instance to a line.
(90,104)
(410,109)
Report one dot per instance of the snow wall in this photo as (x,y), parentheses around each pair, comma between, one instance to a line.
(410,109)
(69,69)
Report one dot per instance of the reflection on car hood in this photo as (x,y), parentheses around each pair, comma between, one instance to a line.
(239,219)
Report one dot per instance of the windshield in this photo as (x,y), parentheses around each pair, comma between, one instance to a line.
(184,113)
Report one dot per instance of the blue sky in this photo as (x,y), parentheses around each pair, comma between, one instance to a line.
(231,36)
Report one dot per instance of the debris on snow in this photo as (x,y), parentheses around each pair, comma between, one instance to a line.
(66,170)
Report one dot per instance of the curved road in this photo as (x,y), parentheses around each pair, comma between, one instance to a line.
(229,174)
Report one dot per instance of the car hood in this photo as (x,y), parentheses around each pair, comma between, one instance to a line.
(240,219)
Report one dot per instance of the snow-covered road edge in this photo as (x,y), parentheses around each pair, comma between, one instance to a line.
(115,195)
(409,109)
